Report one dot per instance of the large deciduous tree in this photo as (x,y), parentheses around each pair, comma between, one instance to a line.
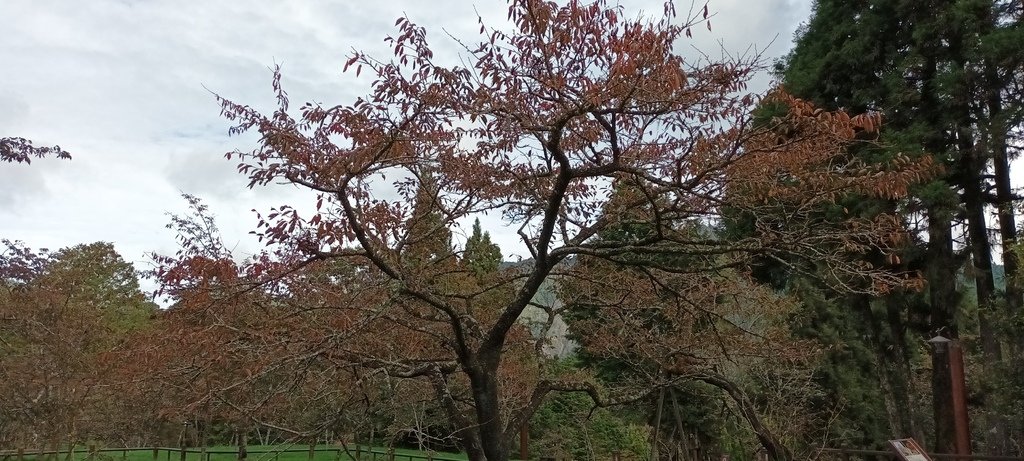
(539,126)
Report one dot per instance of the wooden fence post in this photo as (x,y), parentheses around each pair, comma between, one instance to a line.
(391,453)
(359,455)
(21,454)
(243,446)
(312,450)
(184,453)
(92,451)
(156,454)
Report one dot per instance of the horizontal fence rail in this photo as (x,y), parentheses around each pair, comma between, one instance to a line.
(364,453)
(355,452)
(846,454)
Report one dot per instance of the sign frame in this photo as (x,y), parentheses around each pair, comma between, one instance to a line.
(909,450)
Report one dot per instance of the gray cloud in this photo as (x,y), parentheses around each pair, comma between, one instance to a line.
(17,184)
(13,110)
(203,174)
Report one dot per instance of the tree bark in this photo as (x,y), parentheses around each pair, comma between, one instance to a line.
(483,380)
(981,248)
(998,440)
(243,446)
(900,364)
(887,336)
(997,132)
(941,273)
(681,444)
(465,432)
(775,449)
(657,425)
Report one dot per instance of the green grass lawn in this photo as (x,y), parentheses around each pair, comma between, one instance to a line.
(256,453)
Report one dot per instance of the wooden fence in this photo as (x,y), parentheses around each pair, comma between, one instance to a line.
(354,452)
(361,453)
(845,454)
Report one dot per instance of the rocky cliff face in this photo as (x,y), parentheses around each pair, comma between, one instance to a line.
(547,323)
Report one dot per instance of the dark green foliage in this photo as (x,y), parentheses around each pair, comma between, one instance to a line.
(428,238)
(481,255)
(942,73)
(848,372)
(569,424)
(862,56)
(106,281)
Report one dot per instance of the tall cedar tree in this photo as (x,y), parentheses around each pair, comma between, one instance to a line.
(943,72)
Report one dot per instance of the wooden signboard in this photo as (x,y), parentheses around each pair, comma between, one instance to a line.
(908,450)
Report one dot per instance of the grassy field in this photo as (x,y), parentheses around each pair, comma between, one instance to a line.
(256,453)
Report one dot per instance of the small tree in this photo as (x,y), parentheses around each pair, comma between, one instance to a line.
(481,255)
(538,127)
(59,313)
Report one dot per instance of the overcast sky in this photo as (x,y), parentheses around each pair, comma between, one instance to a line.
(122,85)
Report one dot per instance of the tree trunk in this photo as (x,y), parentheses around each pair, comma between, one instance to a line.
(1014,297)
(887,337)
(464,430)
(484,384)
(997,144)
(899,363)
(981,248)
(941,273)
(657,425)
(682,447)
(243,448)
(773,447)
(981,254)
